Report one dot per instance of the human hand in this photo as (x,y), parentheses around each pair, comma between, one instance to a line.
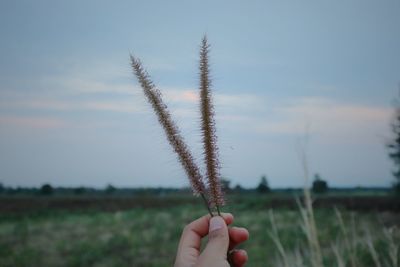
(220,240)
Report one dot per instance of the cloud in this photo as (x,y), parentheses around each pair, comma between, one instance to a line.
(183,96)
(32,122)
(239,101)
(72,85)
(118,105)
(256,114)
(70,94)
(191,96)
(326,117)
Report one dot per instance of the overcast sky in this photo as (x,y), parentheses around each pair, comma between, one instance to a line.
(71,112)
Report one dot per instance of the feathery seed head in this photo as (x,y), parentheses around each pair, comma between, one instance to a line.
(208,129)
(171,130)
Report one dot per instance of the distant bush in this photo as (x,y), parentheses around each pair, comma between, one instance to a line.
(238,188)
(319,186)
(263,186)
(110,189)
(46,189)
(226,185)
(79,190)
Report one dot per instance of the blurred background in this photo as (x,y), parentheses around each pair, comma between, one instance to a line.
(86,171)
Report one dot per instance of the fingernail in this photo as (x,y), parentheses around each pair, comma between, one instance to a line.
(216,223)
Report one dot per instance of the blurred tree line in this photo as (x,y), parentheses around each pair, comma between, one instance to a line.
(109,190)
(394,147)
(319,186)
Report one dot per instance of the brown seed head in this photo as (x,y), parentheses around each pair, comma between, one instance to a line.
(208,129)
(171,130)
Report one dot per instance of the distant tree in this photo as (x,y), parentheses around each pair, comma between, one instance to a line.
(79,190)
(319,186)
(110,189)
(263,186)
(238,188)
(394,149)
(226,184)
(2,189)
(46,189)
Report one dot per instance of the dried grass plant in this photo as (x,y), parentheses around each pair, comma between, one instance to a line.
(274,235)
(208,129)
(212,195)
(350,247)
(307,211)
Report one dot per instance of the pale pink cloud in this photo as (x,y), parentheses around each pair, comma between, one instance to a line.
(242,101)
(327,118)
(181,96)
(190,96)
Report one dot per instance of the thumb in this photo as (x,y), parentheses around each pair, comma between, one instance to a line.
(218,239)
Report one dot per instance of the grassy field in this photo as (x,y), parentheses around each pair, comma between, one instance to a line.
(149,236)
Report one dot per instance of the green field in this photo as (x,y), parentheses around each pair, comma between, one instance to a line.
(149,236)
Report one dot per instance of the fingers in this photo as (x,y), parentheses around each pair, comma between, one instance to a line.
(189,245)
(238,258)
(237,235)
(193,232)
(218,242)
(220,239)
(200,225)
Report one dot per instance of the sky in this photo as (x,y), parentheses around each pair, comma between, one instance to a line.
(288,76)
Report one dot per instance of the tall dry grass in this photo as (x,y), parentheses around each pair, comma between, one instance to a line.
(352,245)
(349,247)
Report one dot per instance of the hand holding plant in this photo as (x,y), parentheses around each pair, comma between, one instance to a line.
(220,240)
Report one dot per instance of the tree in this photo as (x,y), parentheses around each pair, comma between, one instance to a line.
(263,186)
(225,184)
(79,190)
(238,188)
(394,149)
(46,189)
(319,186)
(110,189)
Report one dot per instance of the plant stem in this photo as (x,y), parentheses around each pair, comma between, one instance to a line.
(206,203)
(219,212)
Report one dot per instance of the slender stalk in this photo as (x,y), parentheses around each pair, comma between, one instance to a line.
(338,256)
(171,130)
(218,211)
(372,250)
(208,131)
(207,204)
(347,243)
(393,246)
(275,238)
(308,213)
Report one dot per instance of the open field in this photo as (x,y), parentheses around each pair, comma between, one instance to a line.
(34,204)
(148,234)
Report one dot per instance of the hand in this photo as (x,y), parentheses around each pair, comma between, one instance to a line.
(220,239)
